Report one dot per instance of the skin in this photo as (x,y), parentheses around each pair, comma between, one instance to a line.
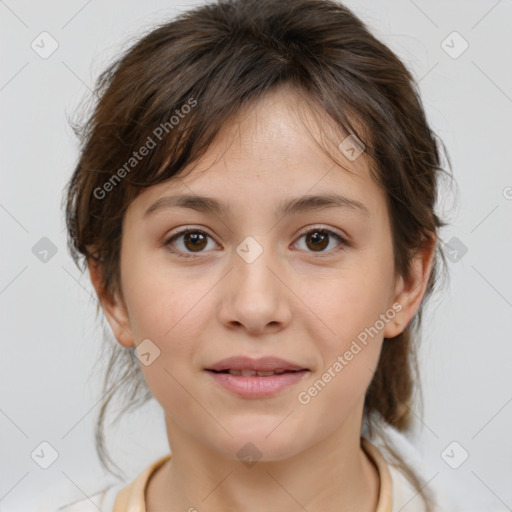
(294,301)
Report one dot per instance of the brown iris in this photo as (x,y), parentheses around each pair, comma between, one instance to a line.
(196,239)
(318,239)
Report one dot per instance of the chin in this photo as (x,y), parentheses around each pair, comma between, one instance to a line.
(258,445)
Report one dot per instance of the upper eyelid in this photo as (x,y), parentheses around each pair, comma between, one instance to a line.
(319,227)
(307,229)
(186,229)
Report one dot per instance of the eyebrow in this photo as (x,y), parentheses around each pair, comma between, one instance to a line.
(286,207)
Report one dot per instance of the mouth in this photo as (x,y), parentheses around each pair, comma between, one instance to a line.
(256,373)
(256,378)
(248,367)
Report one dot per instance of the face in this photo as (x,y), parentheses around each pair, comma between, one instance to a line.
(312,284)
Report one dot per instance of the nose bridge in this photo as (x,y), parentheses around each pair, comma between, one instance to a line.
(250,249)
(256,297)
(253,259)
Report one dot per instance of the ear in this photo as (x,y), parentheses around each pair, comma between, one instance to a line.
(408,293)
(114,307)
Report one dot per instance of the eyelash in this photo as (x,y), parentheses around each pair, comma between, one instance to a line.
(313,229)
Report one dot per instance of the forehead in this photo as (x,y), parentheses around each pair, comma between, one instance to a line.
(283,146)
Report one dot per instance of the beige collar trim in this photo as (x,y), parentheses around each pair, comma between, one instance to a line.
(132,497)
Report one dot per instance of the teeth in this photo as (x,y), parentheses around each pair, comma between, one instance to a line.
(252,373)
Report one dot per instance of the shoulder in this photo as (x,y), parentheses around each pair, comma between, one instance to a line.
(101,495)
(405,496)
(67,497)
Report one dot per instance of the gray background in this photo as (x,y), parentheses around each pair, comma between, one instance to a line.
(50,387)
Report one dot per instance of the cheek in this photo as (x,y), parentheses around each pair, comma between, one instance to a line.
(348,307)
(338,389)
(349,349)
(171,311)
(171,322)
(160,300)
(351,307)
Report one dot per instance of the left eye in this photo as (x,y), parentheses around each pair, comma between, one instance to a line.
(319,239)
(195,241)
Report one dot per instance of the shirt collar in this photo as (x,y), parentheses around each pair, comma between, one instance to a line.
(132,497)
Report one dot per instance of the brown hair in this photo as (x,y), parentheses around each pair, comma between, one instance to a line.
(217,59)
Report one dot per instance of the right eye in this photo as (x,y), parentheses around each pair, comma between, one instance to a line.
(192,240)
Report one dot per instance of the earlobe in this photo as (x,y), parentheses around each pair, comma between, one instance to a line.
(114,308)
(409,292)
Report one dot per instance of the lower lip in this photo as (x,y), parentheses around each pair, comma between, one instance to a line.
(257,387)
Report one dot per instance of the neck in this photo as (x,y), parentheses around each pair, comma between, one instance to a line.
(332,475)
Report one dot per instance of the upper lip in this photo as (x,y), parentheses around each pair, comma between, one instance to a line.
(262,364)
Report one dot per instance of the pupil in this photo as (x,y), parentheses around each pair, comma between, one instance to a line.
(194,238)
(318,237)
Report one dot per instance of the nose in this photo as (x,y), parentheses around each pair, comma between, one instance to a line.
(255,295)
